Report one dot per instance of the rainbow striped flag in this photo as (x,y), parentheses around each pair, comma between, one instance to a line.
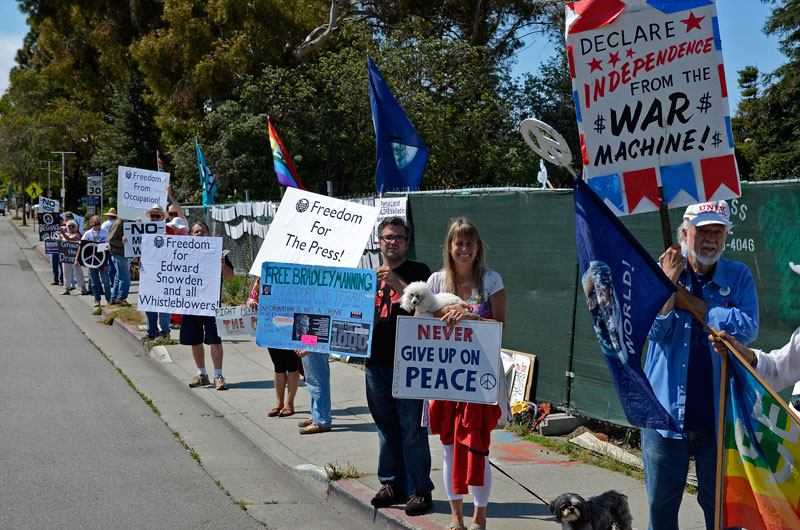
(284,167)
(761,488)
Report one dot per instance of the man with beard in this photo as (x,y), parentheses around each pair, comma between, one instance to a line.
(681,365)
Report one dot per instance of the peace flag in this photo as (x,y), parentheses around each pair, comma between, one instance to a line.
(284,168)
(206,179)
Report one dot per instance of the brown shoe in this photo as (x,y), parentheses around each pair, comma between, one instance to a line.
(314,429)
(219,383)
(199,380)
(305,423)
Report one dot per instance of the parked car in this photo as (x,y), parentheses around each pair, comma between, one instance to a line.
(3,206)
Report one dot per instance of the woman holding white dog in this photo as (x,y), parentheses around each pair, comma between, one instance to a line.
(465,428)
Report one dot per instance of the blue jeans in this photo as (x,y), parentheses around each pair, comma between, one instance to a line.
(97,288)
(58,273)
(154,320)
(318,382)
(112,271)
(122,281)
(666,464)
(405,456)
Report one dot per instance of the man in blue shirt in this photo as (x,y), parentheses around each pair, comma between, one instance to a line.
(681,365)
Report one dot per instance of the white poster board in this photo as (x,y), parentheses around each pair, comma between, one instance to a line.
(312,229)
(436,361)
(134,232)
(47,205)
(180,274)
(237,320)
(138,190)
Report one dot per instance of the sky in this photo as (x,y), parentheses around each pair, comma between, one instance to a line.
(740,21)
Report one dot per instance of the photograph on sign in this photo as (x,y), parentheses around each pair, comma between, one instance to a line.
(389,207)
(457,363)
(138,190)
(316,230)
(68,250)
(49,226)
(237,320)
(133,232)
(47,205)
(316,308)
(180,274)
(93,255)
(652,105)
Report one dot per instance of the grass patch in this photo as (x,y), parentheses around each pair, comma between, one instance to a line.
(242,505)
(98,311)
(236,292)
(131,316)
(337,471)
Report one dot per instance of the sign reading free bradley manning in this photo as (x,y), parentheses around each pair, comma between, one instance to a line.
(138,190)
(315,308)
(180,274)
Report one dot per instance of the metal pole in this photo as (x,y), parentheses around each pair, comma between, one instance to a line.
(63,189)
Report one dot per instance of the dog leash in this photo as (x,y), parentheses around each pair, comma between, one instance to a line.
(516,482)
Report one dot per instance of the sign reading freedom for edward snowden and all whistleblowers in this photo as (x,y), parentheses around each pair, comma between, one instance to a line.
(315,308)
(180,274)
(316,230)
(651,102)
(435,361)
(138,190)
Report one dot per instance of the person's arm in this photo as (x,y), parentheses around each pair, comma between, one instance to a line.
(227,269)
(672,263)
(252,298)
(779,368)
(174,201)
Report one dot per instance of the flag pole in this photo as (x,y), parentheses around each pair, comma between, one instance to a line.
(723,394)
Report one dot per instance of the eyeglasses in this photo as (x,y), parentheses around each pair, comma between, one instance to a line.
(156,217)
(394,239)
(172,214)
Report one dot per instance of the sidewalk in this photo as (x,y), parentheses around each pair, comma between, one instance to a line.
(353,442)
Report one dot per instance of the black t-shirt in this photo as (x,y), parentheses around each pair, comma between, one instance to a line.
(387,309)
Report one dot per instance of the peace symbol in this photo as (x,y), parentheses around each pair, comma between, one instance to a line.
(91,257)
(488,381)
(47,219)
(549,144)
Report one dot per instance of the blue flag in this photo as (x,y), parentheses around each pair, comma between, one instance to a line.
(206,179)
(400,152)
(625,290)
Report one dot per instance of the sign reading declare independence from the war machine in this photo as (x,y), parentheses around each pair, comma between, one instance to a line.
(458,363)
(138,190)
(134,232)
(180,274)
(651,101)
(315,308)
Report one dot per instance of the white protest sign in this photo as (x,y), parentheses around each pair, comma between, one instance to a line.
(138,190)
(652,104)
(312,229)
(180,274)
(389,207)
(237,320)
(134,232)
(47,205)
(458,363)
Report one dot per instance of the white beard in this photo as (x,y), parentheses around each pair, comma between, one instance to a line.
(703,260)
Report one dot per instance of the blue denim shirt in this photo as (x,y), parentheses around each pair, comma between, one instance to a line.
(732,306)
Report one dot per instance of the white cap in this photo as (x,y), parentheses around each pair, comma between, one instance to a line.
(708,213)
(177,223)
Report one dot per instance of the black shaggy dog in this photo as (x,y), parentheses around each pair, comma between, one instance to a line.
(603,512)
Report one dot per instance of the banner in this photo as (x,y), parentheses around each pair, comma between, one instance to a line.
(284,167)
(316,230)
(93,255)
(138,190)
(49,226)
(651,102)
(435,361)
(237,320)
(180,274)
(67,251)
(134,233)
(389,207)
(320,309)
(47,205)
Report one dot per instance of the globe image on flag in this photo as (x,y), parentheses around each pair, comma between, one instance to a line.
(604,307)
(403,154)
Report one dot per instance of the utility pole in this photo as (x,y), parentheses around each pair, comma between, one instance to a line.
(49,191)
(63,190)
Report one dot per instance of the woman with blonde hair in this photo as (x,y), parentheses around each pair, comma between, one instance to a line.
(465,428)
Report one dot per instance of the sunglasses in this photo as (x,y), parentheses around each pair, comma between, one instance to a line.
(156,216)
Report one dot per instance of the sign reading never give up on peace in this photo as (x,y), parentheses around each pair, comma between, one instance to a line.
(651,102)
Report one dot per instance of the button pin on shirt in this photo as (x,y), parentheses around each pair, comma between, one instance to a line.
(725,291)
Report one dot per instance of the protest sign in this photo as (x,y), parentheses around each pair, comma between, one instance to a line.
(389,207)
(138,190)
(93,255)
(651,102)
(68,250)
(237,320)
(51,246)
(49,226)
(134,232)
(458,363)
(180,274)
(315,308)
(316,230)
(47,205)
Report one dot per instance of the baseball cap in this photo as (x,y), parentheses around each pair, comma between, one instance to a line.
(707,213)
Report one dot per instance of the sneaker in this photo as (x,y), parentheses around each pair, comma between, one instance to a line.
(96,303)
(419,504)
(85,292)
(123,302)
(386,496)
(113,301)
(65,291)
(199,380)
(219,383)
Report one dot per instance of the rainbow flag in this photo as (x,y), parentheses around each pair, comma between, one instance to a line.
(761,488)
(160,163)
(284,167)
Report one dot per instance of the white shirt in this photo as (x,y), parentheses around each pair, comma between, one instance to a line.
(780,368)
(107,224)
(96,236)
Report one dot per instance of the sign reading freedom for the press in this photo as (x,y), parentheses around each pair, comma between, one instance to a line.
(651,102)
(180,274)
(315,308)
(134,232)
(316,230)
(138,190)
(435,361)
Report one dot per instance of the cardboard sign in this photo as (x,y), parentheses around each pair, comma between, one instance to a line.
(51,247)
(180,274)
(652,105)
(138,190)
(68,250)
(458,363)
(316,230)
(49,226)
(93,255)
(389,207)
(237,320)
(134,233)
(47,205)
(320,309)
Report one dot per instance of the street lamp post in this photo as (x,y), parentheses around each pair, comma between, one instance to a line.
(63,191)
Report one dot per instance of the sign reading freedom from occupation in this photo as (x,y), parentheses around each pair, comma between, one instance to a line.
(435,361)
(138,190)
(320,309)
(316,230)
(134,233)
(651,102)
(180,274)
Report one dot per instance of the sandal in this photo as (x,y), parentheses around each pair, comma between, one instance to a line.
(286,411)
(274,412)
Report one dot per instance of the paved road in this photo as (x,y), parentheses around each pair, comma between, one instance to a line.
(80,448)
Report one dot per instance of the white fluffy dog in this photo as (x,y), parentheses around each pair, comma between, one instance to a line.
(417,297)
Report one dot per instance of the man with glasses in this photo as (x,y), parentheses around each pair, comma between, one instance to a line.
(404,461)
